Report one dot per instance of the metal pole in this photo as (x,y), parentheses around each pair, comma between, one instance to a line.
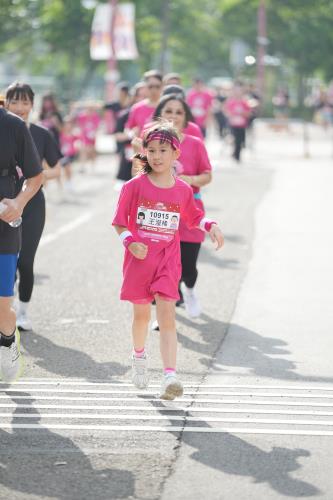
(111,74)
(261,48)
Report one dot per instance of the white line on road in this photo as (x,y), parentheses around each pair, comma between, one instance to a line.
(186,392)
(187,409)
(76,382)
(168,428)
(119,416)
(49,238)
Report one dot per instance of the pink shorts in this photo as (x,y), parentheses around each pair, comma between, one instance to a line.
(156,275)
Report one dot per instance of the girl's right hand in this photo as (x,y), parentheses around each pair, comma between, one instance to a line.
(139,250)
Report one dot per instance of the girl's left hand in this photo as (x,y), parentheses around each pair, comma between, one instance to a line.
(216,236)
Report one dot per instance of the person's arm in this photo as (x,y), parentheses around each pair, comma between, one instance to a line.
(16,205)
(197,180)
(139,250)
(51,172)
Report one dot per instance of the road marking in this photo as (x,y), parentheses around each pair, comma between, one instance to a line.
(186,409)
(168,428)
(49,238)
(52,381)
(119,416)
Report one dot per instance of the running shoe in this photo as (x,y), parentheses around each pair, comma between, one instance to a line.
(23,321)
(154,326)
(11,364)
(191,301)
(171,387)
(140,377)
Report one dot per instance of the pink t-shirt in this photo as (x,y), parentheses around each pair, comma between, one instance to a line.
(238,112)
(193,129)
(68,144)
(152,214)
(88,123)
(140,114)
(200,104)
(193,160)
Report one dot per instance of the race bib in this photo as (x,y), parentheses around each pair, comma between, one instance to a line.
(157,221)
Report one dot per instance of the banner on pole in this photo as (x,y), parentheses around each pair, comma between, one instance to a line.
(124,43)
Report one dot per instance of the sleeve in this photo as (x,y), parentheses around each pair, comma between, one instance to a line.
(51,152)
(190,213)
(131,121)
(122,212)
(204,164)
(26,154)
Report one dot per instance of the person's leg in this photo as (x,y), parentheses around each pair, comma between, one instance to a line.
(237,132)
(141,318)
(10,356)
(32,229)
(166,317)
(189,257)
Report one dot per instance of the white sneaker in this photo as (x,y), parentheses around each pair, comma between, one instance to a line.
(191,301)
(154,326)
(171,388)
(140,377)
(11,360)
(23,321)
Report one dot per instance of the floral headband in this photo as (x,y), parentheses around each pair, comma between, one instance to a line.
(162,137)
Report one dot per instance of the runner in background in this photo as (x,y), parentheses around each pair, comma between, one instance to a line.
(88,121)
(69,144)
(142,112)
(238,112)
(172,79)
(200,100)
(50,116)
(120,109)
(20,100)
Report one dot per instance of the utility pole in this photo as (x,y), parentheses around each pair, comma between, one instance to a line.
(165,34)
(112,73)
(262,41)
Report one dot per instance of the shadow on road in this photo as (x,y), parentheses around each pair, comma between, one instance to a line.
(43,463)
(262,356)
(68,362)
(232,455)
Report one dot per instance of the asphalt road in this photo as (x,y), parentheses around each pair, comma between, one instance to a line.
(75,428)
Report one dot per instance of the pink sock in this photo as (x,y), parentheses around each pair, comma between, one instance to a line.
(169,371)
(139,353)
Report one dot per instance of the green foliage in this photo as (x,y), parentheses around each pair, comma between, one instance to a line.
(52,36)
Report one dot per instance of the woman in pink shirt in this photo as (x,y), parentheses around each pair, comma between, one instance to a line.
(147,218)
(238,112)
(193,167)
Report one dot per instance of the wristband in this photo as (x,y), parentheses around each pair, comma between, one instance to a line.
(126,238)
(206,224)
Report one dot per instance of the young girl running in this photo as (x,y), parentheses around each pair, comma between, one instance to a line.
(147,220)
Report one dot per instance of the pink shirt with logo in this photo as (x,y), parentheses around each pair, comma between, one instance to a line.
(193,160)
(200,103)
(152,214)
(238,111)
(140,114)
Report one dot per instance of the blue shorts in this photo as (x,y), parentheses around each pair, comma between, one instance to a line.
(8,264)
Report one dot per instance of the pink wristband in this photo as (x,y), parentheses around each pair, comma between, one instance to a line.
(208,225)
(127,241)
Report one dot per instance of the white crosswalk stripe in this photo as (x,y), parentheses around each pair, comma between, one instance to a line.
(72,404)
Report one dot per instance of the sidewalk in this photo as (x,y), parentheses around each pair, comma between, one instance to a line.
(274,371)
